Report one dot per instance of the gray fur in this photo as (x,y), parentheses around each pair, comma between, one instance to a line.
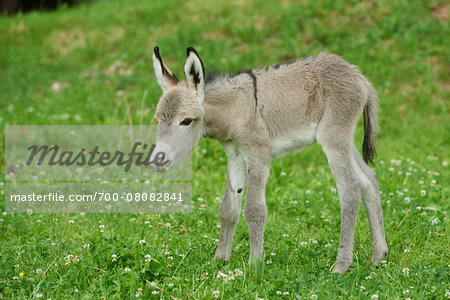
(267,112)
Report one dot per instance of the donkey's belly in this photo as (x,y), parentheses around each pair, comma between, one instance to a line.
(293,141)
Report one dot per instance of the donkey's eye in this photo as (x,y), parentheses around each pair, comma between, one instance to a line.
(186,122)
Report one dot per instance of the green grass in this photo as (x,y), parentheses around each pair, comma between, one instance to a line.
(100,54)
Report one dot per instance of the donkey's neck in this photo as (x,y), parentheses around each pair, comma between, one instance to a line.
(221,95)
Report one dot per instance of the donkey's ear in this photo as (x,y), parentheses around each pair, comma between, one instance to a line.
(166,79)
(195,74)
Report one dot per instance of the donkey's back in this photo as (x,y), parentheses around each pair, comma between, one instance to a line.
(292,99)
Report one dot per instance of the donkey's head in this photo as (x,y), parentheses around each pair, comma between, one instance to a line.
(180,109)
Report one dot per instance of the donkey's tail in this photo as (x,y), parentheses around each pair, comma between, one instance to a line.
(370,126)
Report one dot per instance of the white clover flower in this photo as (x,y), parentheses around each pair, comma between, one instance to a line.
(37,296)
(170,285)
(363,288)
(368,277)
(406,251)
(407,199)
(374,297)
(215,294)
(444,164)
(141,242)
(279,293)
(38,271)
(268,262)
(155,292)
(405,271)
(285,235)
(405,292)
(127,269)
(308,192)
(333,190)
(86,246)
(434,221)
(447,293)
(423,193)
(327,245)
(314,296)
(286,293)
(283,174)
(433,182)
(148,258)
(303,244)
(114,257)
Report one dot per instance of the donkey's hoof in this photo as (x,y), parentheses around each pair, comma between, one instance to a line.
(222,257)
(378,255)
(342,266)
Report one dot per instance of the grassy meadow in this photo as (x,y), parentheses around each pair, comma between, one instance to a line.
(92,64)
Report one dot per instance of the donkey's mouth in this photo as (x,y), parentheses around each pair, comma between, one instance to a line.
(163,168)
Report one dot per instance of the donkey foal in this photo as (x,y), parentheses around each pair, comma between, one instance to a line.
(264,113)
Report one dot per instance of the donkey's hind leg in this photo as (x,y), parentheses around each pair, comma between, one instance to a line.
(337,144)
(371,195)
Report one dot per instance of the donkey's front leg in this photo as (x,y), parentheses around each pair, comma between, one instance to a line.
(230,207)
(255,210)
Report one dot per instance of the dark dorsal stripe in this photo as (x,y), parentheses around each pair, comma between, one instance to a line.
(255,88)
